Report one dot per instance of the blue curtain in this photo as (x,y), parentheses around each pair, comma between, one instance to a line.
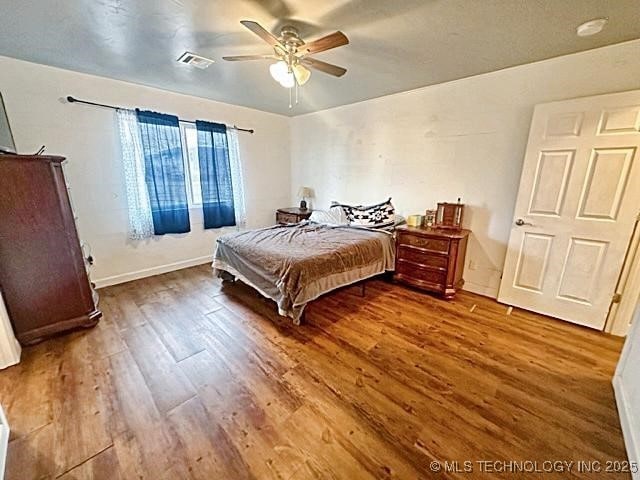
(164,172)
(215,175)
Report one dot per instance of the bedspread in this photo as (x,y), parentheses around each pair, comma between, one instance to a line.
(294,264)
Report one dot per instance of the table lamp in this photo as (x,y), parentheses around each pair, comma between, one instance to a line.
(304,193)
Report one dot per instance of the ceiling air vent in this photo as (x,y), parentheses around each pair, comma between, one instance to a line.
(195,60)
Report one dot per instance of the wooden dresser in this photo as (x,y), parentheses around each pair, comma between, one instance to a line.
(43,276)
(292,215)
(431,259)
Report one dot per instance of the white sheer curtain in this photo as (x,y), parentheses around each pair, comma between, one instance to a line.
(140,219)
(236,178)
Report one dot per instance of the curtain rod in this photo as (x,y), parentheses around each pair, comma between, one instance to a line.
(71,99)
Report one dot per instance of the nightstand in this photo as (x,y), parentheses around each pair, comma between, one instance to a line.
(292,215)
(431,259)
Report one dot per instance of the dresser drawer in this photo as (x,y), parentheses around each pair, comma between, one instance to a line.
(415,255)
(433,244)
(410,271)
(286,218)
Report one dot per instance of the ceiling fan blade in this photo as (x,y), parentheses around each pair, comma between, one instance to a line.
(325,67)
(336,39)
(262,33)
(240,58)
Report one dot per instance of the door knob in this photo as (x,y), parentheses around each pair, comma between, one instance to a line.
(520,222)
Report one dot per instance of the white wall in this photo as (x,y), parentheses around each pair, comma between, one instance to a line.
(87,136)
(460,139)
(626,383)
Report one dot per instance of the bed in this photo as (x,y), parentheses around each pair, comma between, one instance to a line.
(295,264)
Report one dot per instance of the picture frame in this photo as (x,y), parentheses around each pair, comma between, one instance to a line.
(429,218)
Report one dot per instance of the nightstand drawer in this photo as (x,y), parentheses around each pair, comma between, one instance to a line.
(292,215)
(416,255)
(286,218)
(411,271)
(433,244)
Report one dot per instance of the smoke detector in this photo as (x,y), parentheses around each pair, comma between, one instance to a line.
(591,27)
(194,60)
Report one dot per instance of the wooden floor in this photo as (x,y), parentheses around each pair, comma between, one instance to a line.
(184,378)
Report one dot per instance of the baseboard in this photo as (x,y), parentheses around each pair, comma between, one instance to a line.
(624,412)
(483,290)
(150,272)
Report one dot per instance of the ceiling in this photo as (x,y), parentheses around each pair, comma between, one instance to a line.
(395,45)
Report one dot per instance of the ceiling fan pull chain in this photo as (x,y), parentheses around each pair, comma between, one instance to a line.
(290,106)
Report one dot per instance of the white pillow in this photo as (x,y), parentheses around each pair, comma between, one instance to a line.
(334,216)
(337,212)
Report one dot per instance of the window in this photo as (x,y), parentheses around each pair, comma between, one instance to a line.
(163,178)
(191,163)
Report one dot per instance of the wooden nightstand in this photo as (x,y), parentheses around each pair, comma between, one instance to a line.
(292,215)
(431,259)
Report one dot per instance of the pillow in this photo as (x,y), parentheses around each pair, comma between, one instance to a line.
(381,215)
(338,213)
(334,216)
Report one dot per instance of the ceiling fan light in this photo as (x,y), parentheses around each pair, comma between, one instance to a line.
(279,71)
(302,74)
(288,81)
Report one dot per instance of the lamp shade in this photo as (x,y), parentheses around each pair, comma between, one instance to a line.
(288,81)
(301,73)
(305,192)
(280,72)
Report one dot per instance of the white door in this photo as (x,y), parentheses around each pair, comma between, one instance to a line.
(579,198)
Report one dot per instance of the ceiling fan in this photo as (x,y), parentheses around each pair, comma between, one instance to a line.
(293,54)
